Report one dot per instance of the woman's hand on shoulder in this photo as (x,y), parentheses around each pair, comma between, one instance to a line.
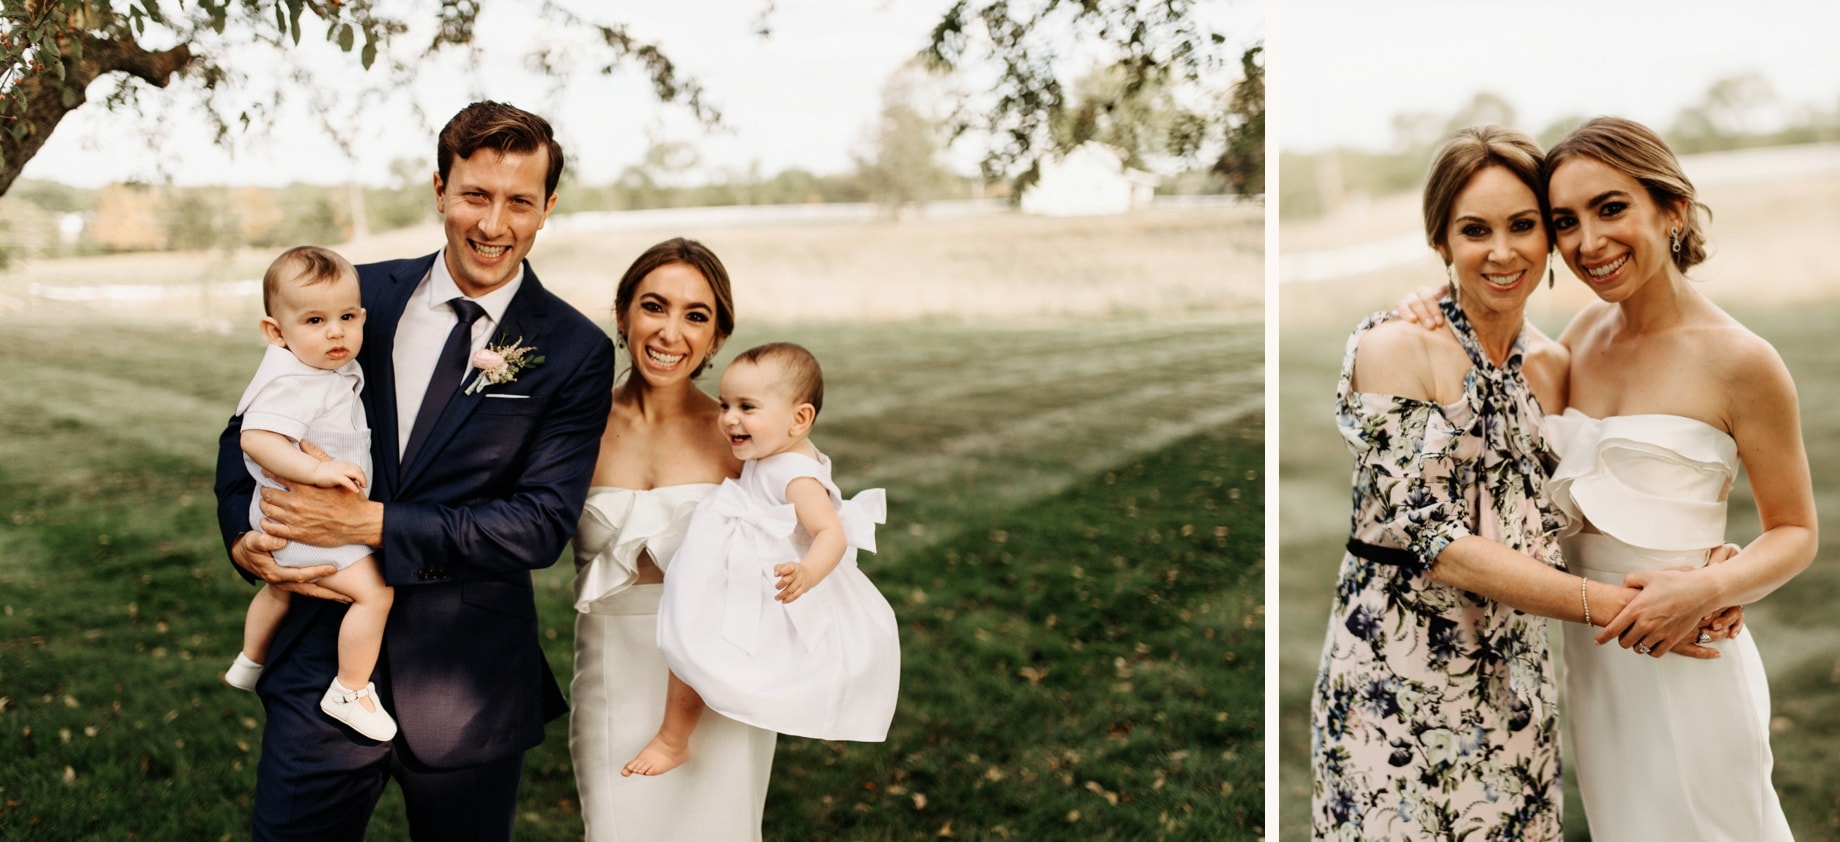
(1420,306)
(1394,358)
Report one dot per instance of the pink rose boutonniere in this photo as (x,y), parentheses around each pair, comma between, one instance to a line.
(502,363)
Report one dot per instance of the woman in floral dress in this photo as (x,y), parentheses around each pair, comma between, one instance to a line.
(1434,712)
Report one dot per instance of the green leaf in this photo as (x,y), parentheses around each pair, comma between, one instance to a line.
(295,7)
(368,55)
(345,37)
(69,96)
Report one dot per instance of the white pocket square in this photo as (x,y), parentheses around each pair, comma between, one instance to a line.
(508,397)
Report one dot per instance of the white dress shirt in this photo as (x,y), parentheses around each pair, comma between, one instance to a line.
(422,332)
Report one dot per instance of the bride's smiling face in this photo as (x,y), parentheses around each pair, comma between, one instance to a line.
(670,327)
(1496,243)
(1611,232)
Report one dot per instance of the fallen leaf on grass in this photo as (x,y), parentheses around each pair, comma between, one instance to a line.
(1109,796)
(1033,674)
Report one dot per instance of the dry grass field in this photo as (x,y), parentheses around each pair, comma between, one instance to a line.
(1001,267)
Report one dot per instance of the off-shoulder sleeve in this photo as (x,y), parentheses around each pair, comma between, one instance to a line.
(1416,464)
(616,526)
(1653,481)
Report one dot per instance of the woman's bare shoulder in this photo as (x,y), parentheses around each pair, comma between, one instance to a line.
(1396,357)
(1589,319)
(1546,365)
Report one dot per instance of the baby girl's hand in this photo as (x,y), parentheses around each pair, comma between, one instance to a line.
(338,474)
(795,580)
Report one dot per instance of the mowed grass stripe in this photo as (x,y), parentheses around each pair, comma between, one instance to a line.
(1023,365)
(107,410)
(1078,440)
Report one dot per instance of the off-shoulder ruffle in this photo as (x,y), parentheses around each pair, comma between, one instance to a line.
(617,524)
(1652,481)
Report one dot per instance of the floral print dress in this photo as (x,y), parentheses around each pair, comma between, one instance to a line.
(1434,712)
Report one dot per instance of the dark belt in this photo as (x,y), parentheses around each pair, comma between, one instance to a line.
(1382,555)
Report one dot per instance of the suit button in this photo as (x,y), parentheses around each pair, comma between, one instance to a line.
(422,574)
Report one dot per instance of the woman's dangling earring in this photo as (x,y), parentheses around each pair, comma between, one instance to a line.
(1451,280)
(1549,271)
(1674,239)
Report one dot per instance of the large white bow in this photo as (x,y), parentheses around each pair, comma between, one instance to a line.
(757,536)
(860,514)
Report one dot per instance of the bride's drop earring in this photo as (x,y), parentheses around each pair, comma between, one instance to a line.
(1674,239)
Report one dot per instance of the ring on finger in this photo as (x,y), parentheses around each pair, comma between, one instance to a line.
(1643,649)
(1704,638)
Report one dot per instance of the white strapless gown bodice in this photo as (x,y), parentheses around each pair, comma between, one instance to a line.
(618,691)
(1671,748)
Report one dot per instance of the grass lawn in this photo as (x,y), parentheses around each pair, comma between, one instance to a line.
(1074,550)
(1796,628)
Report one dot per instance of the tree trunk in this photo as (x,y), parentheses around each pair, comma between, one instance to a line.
(48,99)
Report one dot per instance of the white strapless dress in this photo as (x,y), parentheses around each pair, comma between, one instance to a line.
(1671,748)
(618,691)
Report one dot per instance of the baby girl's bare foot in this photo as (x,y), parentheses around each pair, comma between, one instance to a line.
(657,758)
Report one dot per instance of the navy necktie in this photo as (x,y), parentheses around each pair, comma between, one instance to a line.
(448,372)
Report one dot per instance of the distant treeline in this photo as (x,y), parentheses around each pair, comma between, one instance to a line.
(1731,115)
(42,219)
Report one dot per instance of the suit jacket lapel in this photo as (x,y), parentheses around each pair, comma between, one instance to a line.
(524,318)
(384,308)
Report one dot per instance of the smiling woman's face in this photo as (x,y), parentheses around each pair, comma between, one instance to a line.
(1496,243)
(670,326)
(1610,231)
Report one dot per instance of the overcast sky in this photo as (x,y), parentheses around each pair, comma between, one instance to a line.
(802,97)
(1342,68)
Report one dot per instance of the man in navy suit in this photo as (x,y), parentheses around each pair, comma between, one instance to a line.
(473,489)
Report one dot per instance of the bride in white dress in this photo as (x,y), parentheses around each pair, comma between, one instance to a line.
(1668,394)
(662,453)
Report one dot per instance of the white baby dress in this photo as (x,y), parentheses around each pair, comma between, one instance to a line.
(825,666)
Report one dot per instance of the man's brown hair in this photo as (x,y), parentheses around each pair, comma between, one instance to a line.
(500,127)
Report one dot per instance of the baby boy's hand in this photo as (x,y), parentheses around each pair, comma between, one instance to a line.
(338,474)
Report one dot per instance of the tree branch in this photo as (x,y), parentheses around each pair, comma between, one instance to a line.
(48,98)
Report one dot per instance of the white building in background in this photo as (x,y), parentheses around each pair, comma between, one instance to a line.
(1089,180)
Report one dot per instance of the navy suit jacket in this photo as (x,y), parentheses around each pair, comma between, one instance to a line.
(495,493)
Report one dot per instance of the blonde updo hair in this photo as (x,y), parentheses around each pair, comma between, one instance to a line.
(1472,150)
(1641,154)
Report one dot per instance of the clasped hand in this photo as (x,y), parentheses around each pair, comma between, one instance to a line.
(1671,608)
(323,517)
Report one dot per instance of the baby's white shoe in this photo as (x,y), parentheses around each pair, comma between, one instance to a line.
(343,705)
(243,673)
